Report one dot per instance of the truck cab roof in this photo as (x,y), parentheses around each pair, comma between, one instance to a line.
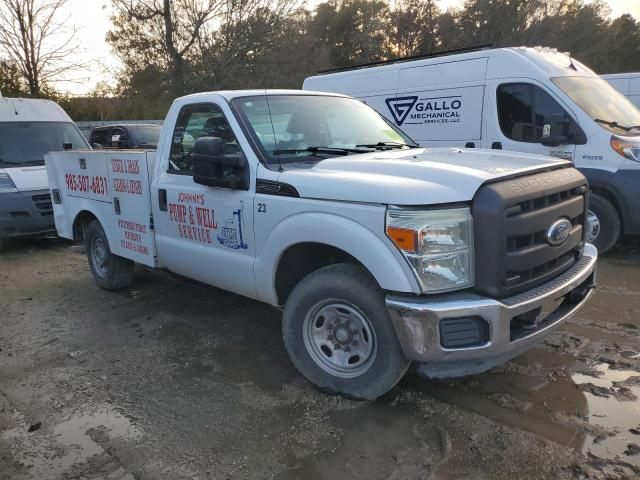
(231,94)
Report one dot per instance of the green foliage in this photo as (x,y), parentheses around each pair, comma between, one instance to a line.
(174,47)
(11,83)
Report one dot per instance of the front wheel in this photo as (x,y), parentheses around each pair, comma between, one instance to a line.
(110,271)
(603,223)
(339,335)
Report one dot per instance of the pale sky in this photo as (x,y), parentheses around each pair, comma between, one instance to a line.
(91,17)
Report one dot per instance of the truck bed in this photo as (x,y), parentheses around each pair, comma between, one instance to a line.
(114,187)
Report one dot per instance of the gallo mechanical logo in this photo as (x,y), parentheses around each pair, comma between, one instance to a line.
(428,110)
(400,107)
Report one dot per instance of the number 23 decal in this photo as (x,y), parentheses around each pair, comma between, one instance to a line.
(262,208)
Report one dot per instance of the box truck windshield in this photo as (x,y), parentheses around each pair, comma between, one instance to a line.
(603,103)
(25,143)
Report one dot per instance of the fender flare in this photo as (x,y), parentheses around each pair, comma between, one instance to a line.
(378,255)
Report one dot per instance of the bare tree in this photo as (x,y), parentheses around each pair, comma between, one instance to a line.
(35,42)
(167,27)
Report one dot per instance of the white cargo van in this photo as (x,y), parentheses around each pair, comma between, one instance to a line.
(29,128)
(627,84)
(533,100)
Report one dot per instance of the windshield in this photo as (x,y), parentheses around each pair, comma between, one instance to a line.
(601,102)
(25,143)
(294,128)
(147,135)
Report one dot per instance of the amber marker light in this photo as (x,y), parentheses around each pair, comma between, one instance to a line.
(405,239)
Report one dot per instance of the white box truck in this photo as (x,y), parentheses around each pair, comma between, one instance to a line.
(29,128)
(533,100)
(627,84)
(381,253)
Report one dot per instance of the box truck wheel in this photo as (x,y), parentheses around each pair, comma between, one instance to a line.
(339,335)
(110,271)
(603,223)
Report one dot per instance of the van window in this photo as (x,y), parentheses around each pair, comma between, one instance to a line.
(523,109)
(195,121)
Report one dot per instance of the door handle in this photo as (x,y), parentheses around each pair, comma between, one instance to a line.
(470,145)
(162,199)
(496,145)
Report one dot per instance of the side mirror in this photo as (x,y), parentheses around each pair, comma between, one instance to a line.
(555,130)
(97,146)
(211,167)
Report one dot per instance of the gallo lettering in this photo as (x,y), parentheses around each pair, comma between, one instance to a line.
(425,110)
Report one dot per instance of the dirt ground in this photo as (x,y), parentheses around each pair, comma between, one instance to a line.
(176,380)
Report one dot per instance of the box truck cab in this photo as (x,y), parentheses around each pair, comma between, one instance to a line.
(29,128)
(534,100)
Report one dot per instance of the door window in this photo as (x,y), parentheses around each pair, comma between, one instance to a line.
(195,121)
(523,109)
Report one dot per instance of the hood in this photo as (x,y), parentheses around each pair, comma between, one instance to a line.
(29,178)
(421,176)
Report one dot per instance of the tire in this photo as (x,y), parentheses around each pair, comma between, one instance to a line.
(338,333)
(603,223)
(110,271)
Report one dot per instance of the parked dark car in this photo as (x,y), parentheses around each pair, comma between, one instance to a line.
(125,136)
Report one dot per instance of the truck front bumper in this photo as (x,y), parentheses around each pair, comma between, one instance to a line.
(460,334)
(26,214)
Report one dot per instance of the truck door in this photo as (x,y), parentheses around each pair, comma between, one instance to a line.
(204,232)
(517,115)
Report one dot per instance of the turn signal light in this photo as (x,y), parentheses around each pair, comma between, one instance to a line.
(405,239)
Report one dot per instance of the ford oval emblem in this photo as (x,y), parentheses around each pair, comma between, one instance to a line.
(559,232)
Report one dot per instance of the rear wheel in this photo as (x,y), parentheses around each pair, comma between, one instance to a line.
(110,271)
(339,335)
(603,223)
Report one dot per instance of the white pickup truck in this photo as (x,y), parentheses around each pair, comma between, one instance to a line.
(380,253)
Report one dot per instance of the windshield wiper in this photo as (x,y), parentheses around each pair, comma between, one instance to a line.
(614,124)
(9,162)
(320,150)
(386,145)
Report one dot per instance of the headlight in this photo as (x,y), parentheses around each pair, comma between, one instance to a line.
(627,149)
(6,183)
(438,245)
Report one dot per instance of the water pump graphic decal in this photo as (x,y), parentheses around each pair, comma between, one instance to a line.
(231,234)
